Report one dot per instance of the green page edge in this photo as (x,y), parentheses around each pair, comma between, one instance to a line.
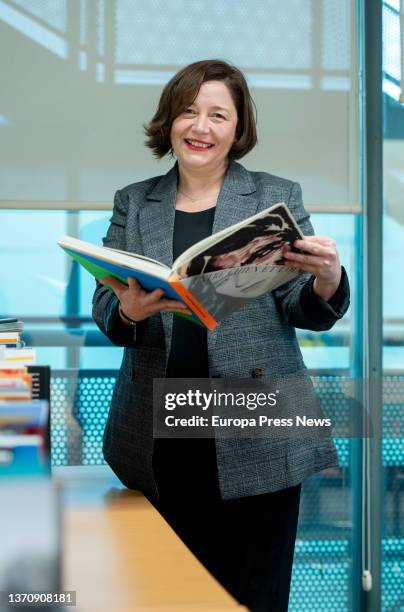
(99,272)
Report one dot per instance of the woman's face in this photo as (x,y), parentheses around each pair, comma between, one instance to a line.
(203,134)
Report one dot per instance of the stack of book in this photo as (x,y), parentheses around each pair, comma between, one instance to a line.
(13,352)
(23,420)
(29,507)
(15,384)
(22,427)
(10,333)
(12,357)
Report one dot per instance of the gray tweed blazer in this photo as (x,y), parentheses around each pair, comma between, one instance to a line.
(259,335)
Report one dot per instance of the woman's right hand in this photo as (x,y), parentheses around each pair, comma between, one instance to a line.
(138,304)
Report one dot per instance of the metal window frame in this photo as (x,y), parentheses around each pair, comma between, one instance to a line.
(402,50)
(372,311)
(65,205)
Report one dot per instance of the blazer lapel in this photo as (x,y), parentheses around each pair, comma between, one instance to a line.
(157,219)
(236,199)
(236,202)
(156,223)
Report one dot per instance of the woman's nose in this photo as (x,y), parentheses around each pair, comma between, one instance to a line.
(201,124)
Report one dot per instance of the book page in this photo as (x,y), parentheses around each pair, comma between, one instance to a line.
(99,254)
(224,291)
(257,240)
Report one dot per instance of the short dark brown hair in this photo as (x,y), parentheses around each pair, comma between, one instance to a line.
(182,90)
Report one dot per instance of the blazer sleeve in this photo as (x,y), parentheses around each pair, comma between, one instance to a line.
(105,302)
(297,301)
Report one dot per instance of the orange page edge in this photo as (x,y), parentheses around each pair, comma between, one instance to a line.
(193,303)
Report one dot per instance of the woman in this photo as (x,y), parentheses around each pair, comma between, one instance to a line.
(235,503)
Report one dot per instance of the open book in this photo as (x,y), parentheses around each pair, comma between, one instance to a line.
(215,276)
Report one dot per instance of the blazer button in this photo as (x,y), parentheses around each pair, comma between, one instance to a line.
(256,373)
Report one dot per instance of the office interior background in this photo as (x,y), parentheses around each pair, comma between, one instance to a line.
(78,80)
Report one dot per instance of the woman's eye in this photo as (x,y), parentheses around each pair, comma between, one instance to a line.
(218,116)
(189,111)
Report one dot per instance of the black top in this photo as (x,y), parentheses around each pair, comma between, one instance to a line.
(188,338)
(177,462)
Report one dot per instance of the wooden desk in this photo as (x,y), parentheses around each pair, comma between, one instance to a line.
(119,554)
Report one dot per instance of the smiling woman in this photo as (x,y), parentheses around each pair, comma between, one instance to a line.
(234,502)
(179,97)
(202,137)
(209,122)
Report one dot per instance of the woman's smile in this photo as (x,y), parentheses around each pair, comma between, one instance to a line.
(197,145)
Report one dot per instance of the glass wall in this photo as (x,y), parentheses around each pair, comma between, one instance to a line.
(393,313)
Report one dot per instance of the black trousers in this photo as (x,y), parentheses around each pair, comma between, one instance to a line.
(247,544)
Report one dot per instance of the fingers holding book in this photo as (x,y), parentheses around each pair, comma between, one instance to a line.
(317,255)
(138,304)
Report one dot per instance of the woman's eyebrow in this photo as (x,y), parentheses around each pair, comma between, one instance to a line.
(220,108)
(212,108)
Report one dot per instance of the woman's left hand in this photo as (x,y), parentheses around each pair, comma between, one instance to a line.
(320,258)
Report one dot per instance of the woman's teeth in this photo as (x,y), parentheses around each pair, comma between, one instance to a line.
(198,144)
